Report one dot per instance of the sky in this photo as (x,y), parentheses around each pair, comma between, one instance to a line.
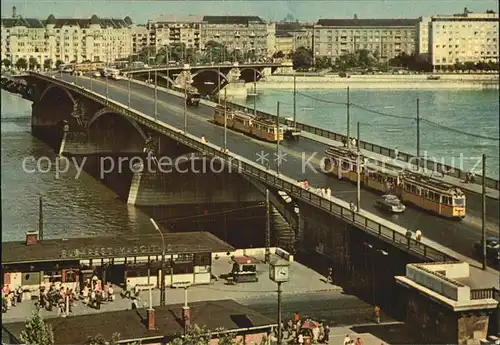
(312,10)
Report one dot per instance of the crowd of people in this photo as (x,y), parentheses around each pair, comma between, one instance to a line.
(11,297)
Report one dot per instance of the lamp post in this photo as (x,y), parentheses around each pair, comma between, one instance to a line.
(348,120)
(278,273)
(162,292)
(294,101)
(278,138)
(254,92)
(483,215)
(225,120)
(358,173)
(218,85)
(156,95)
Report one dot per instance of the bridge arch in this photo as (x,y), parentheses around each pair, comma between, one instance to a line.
(52,86)
(167,78)
(106,111)
(252,68)
(211,70)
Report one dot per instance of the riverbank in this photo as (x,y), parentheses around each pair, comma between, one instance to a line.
(402,82)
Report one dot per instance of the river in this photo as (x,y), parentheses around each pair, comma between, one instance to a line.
(474,112)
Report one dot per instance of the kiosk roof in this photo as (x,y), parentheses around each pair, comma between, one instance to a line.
(109,247)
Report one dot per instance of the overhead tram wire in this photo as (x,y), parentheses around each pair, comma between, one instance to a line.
(431,123)
(459,131)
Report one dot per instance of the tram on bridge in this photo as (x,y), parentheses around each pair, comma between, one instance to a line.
(429,194)
(244,122)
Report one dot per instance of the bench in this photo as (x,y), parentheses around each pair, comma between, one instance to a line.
(181,284)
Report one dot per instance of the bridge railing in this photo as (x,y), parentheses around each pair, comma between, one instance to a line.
(406,157)
(365,221)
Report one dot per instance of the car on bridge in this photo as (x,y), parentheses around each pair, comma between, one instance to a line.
(492,249)
(390,203)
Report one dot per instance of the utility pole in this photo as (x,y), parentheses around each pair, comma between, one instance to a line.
(268,229)
(358,170)
(348,120)
(483,218)
(418,132)
(40,217)
(218,87)
(225,120)
(280,334)
(185,107)
(254,92)
(129,72)
(156,95)
(278,138)
(294,101)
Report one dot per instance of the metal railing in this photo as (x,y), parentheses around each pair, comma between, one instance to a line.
(493,293)
(406,157)
(365,221)
(180,67)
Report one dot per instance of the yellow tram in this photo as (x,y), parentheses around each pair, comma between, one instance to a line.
(432,195)
(258,127)
(435,196)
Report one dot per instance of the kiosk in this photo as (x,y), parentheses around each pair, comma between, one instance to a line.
(244,269)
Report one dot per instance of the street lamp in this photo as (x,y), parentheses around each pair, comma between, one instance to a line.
(278,273)
(156,95)
(162,292)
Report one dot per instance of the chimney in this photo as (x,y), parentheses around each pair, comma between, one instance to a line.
(14,12)
(31,238)
(151,320)
(186,316)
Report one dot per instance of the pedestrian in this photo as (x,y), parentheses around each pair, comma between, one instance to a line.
(301,339)
(359,341)
(418,235)
(377,313)
(323,192)
(347,340)
(329,278)
(396,153)
(472,177)
(327,334)
(296,317)
(128,290)
(328,192)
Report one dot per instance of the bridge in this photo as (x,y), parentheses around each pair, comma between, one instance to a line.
(102,118)
(212,78)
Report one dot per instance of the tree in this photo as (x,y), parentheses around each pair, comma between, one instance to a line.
(100,340)
(33,63)
(21,63)
(6,63)
(226,338)
(35,330)
(59,63)
(459,66)
(216,52)
(278,55)
(47,64)
(196,336)
(302,58)
(322,62)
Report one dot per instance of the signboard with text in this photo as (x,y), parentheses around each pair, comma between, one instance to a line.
(98,252)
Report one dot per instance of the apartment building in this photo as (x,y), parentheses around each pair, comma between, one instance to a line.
(140,38)
(463,37)
(243,33)
(301,34)
(66,39)
(284,42)
(169,29)
(386,38)
(422,38)
(271,39)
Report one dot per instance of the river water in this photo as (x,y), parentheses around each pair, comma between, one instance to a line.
(474,112)
(85,207)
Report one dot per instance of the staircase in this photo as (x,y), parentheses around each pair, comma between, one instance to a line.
(285,235)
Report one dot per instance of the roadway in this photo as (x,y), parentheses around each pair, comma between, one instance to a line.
(456,235)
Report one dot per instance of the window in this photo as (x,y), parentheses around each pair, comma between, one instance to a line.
(183,268)
(202,259)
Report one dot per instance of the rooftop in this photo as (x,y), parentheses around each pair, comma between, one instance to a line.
(102,247)
(368,22)
(114,23)
(132,324)
(232,19)
(170,18)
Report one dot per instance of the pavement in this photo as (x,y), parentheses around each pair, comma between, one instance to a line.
(459,236)
(303,280)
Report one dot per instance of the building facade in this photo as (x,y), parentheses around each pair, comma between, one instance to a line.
(68,40)
(168,30)
(422,38)
(385,38)
(243,33)
(140,38)
(462,38)
(284,42)
(301,34)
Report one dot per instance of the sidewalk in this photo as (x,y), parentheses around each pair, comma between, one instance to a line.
(469,187)
(302,280)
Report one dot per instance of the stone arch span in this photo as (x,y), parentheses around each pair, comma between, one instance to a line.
(251,69)
(213,71)
(167,78)
(54,86)
(107,111)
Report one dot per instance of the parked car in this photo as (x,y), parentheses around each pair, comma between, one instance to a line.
(492,249)
(390,203)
